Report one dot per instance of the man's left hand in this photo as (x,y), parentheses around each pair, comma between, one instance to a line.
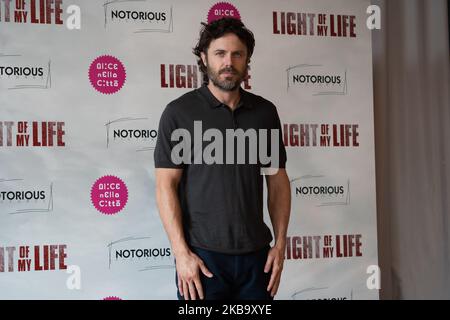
(275,260)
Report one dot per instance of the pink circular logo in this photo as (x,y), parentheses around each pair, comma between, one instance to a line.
(109,195)
(221,10)
(107,74)
(112,298)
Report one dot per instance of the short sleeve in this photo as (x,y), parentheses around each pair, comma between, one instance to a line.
(164,145)
(282,157)
(282,148)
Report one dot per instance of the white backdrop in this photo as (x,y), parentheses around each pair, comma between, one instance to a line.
(45,191)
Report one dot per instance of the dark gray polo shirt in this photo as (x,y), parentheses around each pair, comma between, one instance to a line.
(222,204)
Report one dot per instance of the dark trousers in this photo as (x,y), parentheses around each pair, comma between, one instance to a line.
(236,277)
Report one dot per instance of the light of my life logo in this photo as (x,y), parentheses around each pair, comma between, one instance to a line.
(221,148)
(40,12)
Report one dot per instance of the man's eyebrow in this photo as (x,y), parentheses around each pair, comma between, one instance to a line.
(223,50)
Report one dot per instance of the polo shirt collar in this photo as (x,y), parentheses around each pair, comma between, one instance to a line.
(214,103)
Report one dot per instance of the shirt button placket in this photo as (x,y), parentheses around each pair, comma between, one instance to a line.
(234,166)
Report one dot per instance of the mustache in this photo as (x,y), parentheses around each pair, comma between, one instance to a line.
(228,70)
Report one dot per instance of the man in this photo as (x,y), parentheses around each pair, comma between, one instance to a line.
(213,212)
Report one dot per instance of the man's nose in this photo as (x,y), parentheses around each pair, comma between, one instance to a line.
(227,60)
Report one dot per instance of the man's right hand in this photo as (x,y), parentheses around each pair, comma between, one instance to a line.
(188,266)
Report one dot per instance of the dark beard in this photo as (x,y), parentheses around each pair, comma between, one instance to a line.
(226,85)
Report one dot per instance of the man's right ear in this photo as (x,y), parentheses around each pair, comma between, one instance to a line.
(203,56)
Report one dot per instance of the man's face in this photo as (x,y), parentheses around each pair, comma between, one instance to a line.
(226,62)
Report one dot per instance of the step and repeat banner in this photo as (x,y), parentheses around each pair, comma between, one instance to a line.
(82,87)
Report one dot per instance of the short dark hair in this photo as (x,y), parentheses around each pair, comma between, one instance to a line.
(218,29)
